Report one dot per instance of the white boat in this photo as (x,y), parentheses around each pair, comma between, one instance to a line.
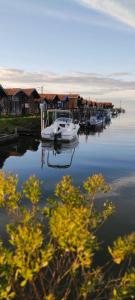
(63,129)
(97,120)
(108,115)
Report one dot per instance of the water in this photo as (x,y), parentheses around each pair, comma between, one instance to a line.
(110,152)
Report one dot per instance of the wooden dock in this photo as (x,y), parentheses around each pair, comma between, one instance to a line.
(7,138)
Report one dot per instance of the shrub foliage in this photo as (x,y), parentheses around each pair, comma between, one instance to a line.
(50,252)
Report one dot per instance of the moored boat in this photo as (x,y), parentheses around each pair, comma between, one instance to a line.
(108,115)
(114,113)
(97,120)
(63,129)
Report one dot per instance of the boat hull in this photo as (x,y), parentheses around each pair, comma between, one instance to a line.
(95,121)
(62,138)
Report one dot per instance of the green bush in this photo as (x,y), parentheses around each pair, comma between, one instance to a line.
(50,252)
(9,123)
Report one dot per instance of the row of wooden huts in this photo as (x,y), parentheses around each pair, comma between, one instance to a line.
(19,101)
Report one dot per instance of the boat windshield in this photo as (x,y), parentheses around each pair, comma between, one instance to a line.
(64,120)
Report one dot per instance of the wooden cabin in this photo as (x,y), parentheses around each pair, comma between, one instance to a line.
(16,101)
(74,100)
(95,104)
(105,105)
(33,101)
(2,97)
(50,100)
(62,101)
(54,101)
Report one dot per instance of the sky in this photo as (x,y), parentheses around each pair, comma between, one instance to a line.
(69,46)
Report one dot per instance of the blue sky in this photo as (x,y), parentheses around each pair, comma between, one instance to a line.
(83,46)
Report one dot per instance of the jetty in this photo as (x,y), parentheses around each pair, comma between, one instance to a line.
(7,138)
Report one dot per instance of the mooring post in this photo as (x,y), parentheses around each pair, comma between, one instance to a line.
(16,131)
(43,119)
(42,108)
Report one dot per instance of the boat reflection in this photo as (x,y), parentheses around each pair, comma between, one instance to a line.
(58,155)
(97,130)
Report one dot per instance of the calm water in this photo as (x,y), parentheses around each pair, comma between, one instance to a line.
(110,152)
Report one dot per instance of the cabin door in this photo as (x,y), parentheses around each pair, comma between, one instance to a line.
(17,108)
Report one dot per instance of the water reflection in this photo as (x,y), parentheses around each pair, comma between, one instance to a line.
(58,155)
(17,149)
(109,150)
(96,131)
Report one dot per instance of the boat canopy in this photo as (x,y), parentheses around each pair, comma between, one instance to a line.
(64,119)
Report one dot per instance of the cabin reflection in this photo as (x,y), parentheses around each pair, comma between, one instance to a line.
(18,148)
(58,155)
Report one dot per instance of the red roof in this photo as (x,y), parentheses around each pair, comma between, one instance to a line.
(12,92)
(99,103)
(28,92)
(50,97)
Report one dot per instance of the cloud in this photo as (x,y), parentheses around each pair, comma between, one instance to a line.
(121,10)
(120,74)
(124,182)
(87,84)
(62,13)
(120,185)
